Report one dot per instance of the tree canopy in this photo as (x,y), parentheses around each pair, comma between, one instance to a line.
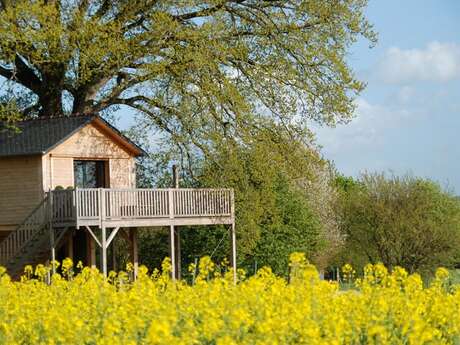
(196,70)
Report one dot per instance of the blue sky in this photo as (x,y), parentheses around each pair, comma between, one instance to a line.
(408,118)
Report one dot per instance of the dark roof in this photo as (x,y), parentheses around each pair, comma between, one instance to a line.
(42,135)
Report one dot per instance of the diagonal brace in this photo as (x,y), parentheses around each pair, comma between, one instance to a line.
(112,236)
(93,235)
(61,235)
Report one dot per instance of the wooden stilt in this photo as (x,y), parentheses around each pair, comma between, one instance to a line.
(134,250)
(52,234)
(176,258)
(178,255)
(91,250)
(172,252)
(114,257)
(53,251)
(69,249)
(104,250)
(233,239)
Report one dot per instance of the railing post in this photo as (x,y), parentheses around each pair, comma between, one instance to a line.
(77,206)
(171,203)
(101,206)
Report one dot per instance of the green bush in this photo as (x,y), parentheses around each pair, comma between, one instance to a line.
(399,221)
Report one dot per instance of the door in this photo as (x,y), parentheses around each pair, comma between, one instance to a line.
(90,174)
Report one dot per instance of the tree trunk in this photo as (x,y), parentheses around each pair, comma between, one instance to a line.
(51,103)
(82,104)
(51,91)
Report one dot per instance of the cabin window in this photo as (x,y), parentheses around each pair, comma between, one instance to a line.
(90,174)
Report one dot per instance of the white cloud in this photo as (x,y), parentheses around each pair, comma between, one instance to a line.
(367,130)
(438,62)
(405,94)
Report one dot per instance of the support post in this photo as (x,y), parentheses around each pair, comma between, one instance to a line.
(70,245)
(233,234)
(104,251)
(53,251)
(233,238)
(178,268)
(114,257)
(178,254)
(52,234)
(173,252)
(172,247)
(134,250)
(91,250)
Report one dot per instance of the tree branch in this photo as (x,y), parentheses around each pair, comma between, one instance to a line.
(26,76)
(103,9)
(6,73)
(132,102)
(205,12)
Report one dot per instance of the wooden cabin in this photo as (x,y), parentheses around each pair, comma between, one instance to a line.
(68,185)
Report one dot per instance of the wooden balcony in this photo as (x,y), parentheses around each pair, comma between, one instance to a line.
(141,207)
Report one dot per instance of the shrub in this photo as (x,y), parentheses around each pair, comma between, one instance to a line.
(400,221)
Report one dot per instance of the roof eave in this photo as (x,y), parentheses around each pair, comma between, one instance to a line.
(140,152)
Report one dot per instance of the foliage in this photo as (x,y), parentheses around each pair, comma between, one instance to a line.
(195,70)
(282,194)
(9,115)
(383,308)
(284,197)
(292,227)
(400,221)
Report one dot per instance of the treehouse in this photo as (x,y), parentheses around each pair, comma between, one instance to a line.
(68,187)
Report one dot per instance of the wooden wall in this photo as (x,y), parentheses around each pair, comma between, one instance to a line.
(24,179)
(94,143)
(20,189)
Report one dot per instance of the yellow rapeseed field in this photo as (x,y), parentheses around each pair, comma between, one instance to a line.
(382,308)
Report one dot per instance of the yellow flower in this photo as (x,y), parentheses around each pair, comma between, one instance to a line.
(442,273)
(382,308)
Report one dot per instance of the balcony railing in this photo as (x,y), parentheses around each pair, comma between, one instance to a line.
(95,206)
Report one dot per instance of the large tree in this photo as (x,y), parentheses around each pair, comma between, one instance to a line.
(196,69)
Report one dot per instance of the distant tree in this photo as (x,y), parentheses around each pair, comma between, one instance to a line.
(196,70)
(321,191)
(405,221)
(293,227)
(284,198)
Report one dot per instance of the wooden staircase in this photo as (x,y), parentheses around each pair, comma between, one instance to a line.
(29,243)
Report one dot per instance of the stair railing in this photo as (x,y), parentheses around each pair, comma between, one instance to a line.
(18,238)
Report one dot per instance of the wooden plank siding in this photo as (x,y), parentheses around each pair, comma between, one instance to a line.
(25,179)
(89,143)
(20,189)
